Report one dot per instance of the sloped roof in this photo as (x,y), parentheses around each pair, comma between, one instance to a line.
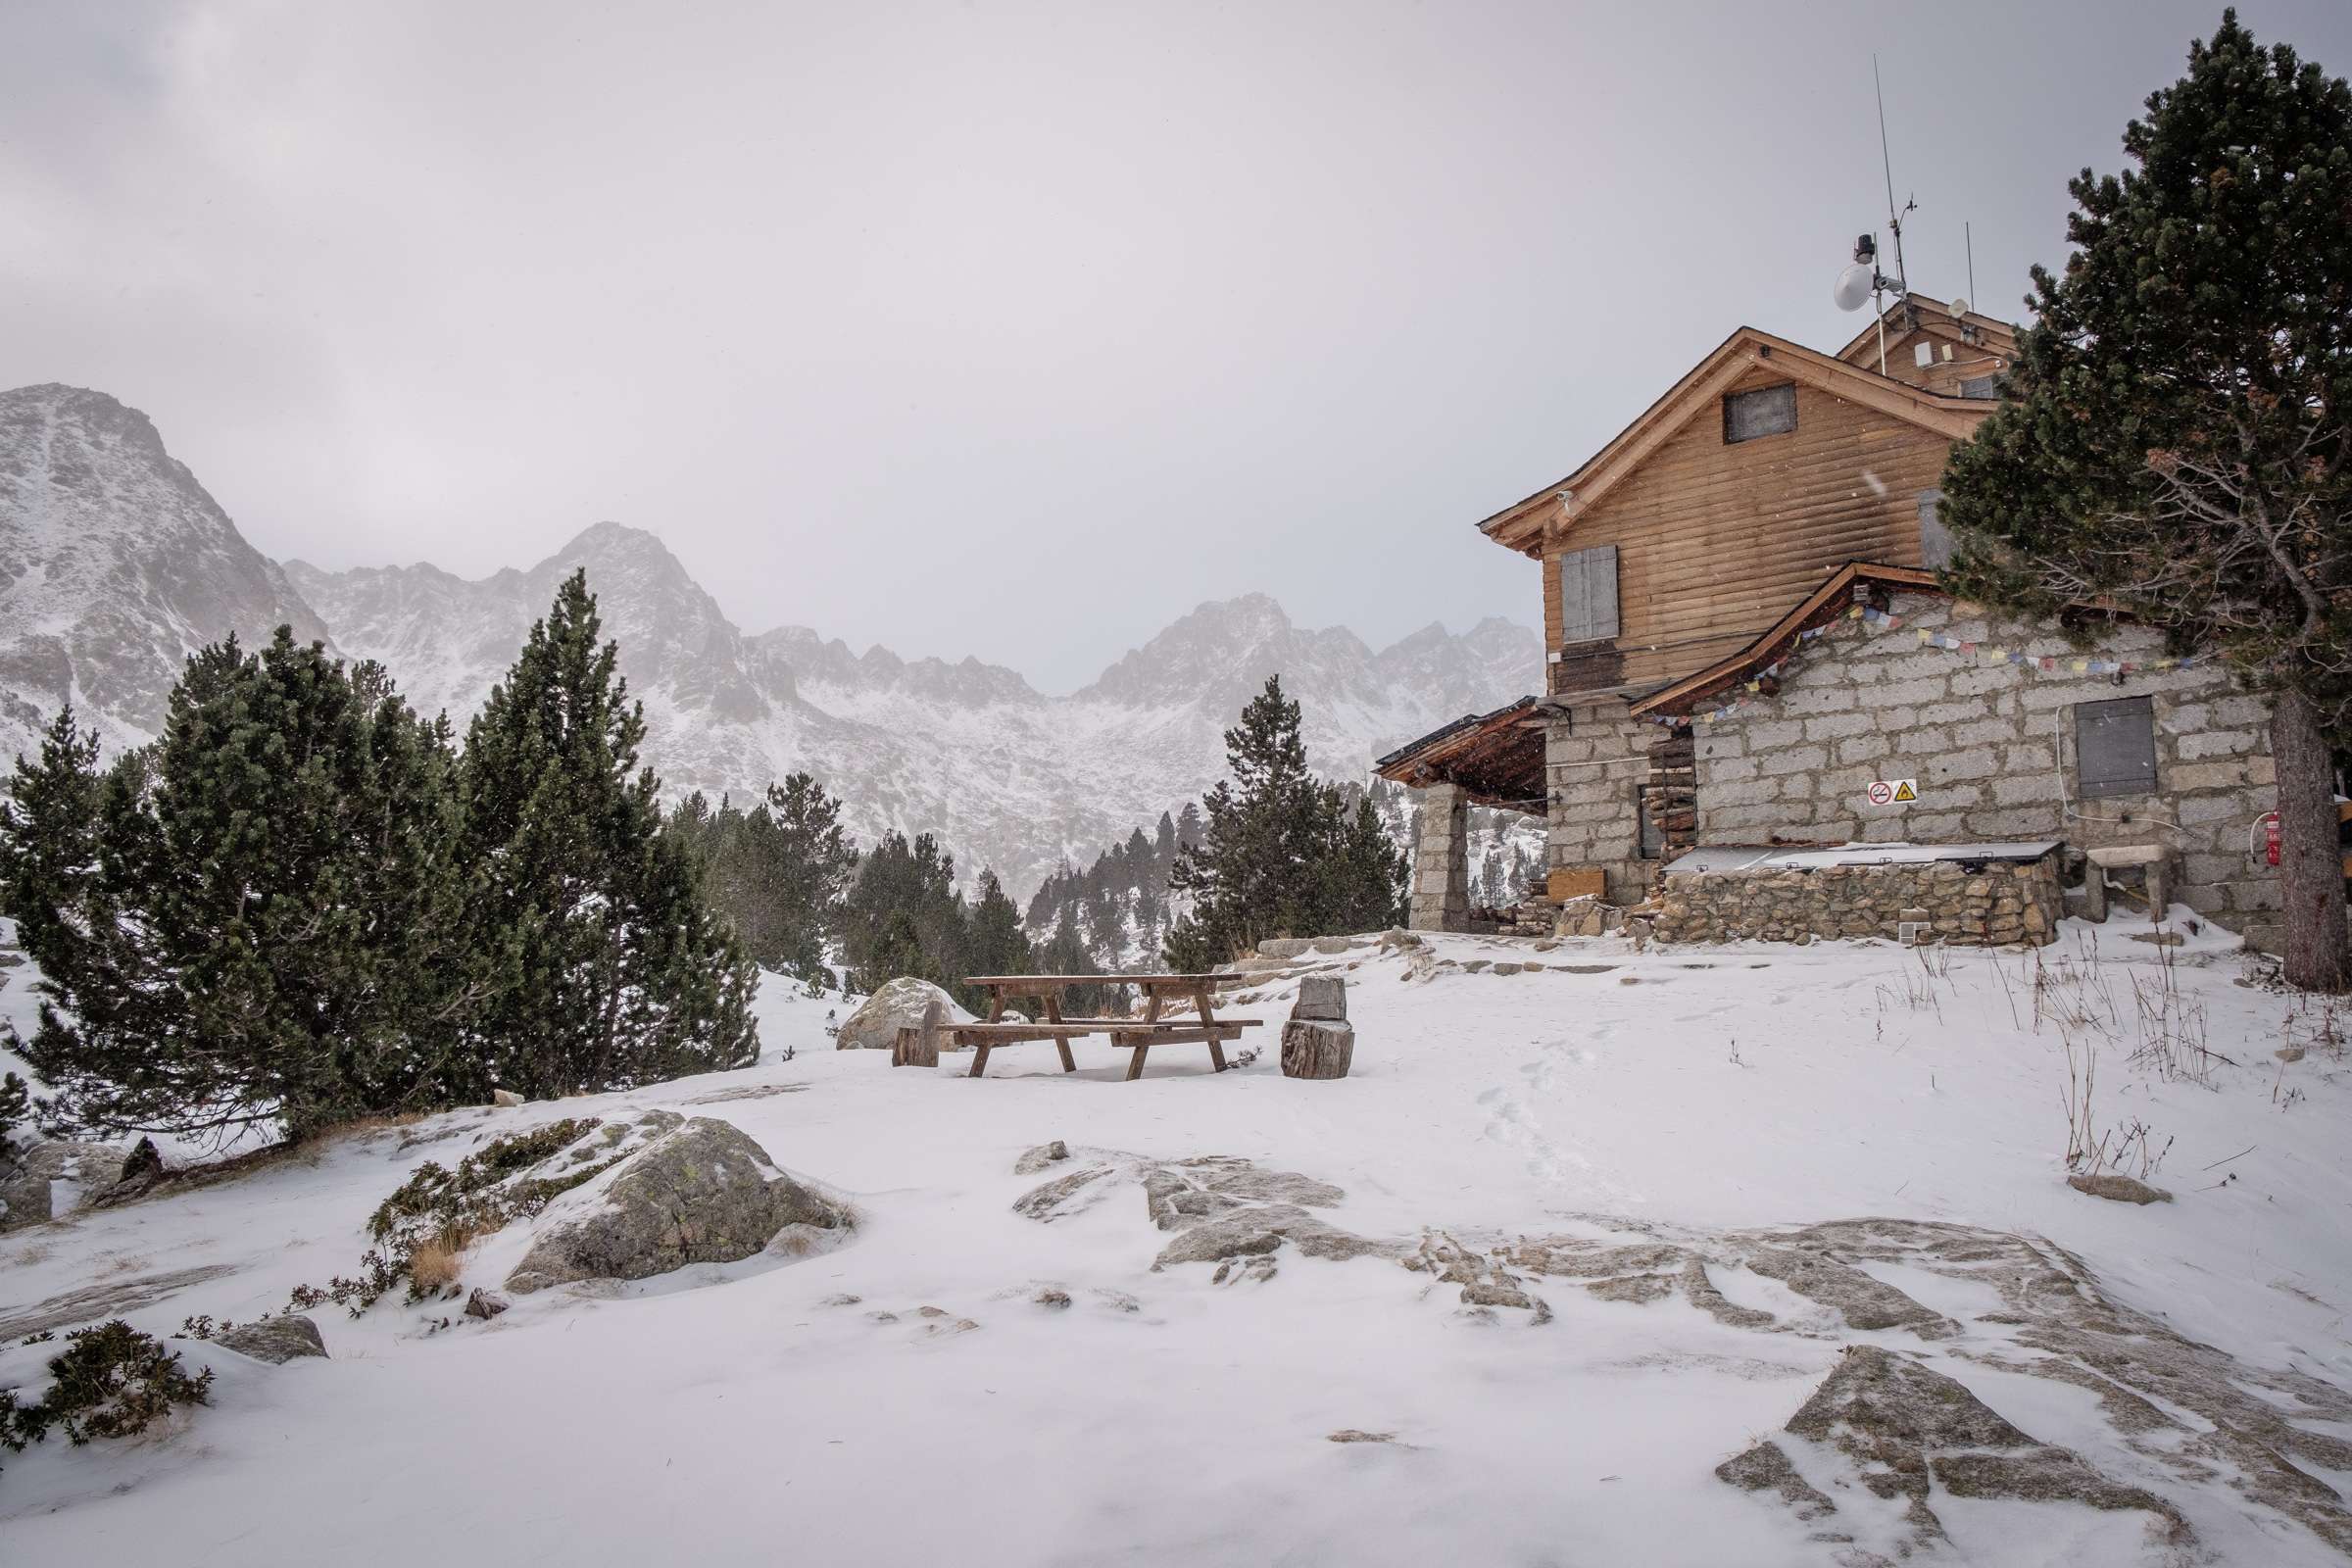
(1823,605)
(1521,526)
(1497,756)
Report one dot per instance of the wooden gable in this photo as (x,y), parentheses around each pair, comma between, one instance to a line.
(1966,353)
(1709,538)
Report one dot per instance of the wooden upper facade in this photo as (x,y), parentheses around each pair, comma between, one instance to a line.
(1759,475)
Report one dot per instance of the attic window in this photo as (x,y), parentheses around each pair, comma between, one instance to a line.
(1767,411)
(1981,386)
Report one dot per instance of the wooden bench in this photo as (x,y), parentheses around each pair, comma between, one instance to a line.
(920,1046)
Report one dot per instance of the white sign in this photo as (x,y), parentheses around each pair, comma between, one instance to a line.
(1892,791)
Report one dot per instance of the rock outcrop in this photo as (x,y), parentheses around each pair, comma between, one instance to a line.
(702,1193)
(898,1004)
(274,1340)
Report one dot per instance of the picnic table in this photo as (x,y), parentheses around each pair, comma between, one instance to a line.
(1137,1034)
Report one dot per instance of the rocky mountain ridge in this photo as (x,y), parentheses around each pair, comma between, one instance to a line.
(115,563)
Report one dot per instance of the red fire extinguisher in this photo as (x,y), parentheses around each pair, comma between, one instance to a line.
(2270,837)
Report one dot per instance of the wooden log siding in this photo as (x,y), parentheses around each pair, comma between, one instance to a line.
(1672,799)
(1715,541)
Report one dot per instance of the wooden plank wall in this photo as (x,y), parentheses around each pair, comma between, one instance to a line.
(1968,362)
(1715,541)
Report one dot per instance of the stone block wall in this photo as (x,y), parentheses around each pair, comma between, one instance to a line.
(1440,894)
(1992,745)
(1594,762)
(1993,905)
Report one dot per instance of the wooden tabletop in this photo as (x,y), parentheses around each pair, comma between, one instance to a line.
(1062,982)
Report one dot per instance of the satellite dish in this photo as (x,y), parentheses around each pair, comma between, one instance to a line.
(1959,306)
(1855,285)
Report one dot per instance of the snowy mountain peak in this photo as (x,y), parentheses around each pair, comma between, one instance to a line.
(115,566)
(115,563)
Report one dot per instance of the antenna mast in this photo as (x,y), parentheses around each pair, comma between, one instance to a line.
(1894,217)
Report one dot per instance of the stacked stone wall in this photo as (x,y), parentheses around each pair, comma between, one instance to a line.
(1593,762)
(1992,744)
(1993,905)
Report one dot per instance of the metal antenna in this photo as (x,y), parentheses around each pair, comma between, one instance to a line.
(1894,219)
(1968,239)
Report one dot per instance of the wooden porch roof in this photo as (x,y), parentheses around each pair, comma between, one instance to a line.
(1823,605)
(1497,758)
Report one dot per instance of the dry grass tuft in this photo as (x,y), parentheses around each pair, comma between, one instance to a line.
(434,1265)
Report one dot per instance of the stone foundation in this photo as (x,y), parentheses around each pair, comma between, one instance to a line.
(1993,905)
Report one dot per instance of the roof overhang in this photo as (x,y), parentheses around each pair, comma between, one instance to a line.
(1823,605)
(1530,524)
(2001,335)
(1497,758)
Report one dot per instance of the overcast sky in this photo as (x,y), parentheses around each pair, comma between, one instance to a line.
(1005,331)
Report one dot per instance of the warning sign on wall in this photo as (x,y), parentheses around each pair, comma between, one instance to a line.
(1892,791)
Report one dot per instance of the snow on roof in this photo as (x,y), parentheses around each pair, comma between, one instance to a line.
(1718,859)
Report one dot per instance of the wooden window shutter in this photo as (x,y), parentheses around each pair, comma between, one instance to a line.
(1767,411)
(1588,595)
(1935,539)
(2115,747)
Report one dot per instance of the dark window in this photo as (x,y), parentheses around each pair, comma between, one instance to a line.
(1588,595)
(2115,747)
(1981,386)
(1935,539)
(1767,411)
(1652,834)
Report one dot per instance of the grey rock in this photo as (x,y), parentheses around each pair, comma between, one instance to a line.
(275,1340)
(505,1099)
(876,1023)
(1255,1230)
(702,1193)
(1038,1158)
(1321,996)
(1053,1201)
(1052,1299)
(1330,945)
(51,1177)
(1284,947)
(2119,1189)
(485,1304)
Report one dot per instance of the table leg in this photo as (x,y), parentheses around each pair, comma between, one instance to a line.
(1061,1042)
(1209,1020)
(1135,1064)
(979,1060)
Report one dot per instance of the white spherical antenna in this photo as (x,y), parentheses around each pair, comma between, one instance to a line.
(1855,285)
(1959,306)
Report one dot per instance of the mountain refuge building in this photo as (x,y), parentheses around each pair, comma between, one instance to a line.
(1763,717)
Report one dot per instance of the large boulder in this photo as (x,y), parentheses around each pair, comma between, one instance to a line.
(701,1192)
(275,1340)
(875,1025)
(51,1177)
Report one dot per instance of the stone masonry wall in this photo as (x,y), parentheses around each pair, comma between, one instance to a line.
(1594,762)
(1994,905)
(1986,742)
(1441,892)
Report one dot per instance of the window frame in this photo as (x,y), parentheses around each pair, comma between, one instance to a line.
(2110,784)
(1785,391)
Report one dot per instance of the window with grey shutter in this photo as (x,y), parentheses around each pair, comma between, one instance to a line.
(1935,539)
(1981,386)
(1588,595)
(2115,747)
(1767,411)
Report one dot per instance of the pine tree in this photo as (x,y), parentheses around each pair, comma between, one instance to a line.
(2177,442)
(1255,873)
(598,960)
(814,860)
(264,931)
(1365,874)
(997,943)
(901,917)
(49,846)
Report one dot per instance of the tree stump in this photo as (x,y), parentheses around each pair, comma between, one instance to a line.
(1317,1048)
(918,1044)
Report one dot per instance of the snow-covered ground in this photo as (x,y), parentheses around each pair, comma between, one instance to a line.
(754,1414)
